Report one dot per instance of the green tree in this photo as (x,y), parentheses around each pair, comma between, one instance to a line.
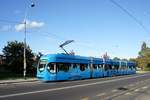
(14,57)
(144,46)
(124,59)
(37,58)
(147,68)
(143,60)
(144,50)
(116,58)
(133,59)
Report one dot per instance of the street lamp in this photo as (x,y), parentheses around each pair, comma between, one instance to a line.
(25,32)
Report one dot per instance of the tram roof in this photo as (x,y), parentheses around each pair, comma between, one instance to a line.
(118,62)
(64,58)
(71,58)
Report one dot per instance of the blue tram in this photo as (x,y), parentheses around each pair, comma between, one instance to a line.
(55,67)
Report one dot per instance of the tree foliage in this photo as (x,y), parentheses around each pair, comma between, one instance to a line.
(143,60)
(116,58)
(144,50)
(37,57)
(124,59)
(132,59)
(144,46)
(14,51)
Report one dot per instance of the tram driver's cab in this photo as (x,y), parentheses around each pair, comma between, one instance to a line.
(51,67)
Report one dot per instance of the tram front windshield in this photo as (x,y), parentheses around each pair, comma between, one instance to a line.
(42,65)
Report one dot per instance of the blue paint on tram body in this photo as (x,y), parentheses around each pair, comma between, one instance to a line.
(55,67)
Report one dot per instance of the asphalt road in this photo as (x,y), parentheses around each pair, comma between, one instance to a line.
(129,87)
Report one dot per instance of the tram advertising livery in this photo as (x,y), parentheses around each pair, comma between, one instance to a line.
(56,67)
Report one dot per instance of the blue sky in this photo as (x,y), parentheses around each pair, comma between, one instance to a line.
(97,26)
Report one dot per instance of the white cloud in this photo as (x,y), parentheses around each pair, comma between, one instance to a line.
(29,25)
(19,27)
(35,24)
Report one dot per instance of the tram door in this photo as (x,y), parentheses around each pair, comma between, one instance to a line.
(75,74)
(51,67)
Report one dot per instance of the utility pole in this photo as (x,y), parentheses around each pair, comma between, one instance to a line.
(25,32)
(25,64)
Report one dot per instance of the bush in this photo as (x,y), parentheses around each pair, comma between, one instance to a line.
(147,68)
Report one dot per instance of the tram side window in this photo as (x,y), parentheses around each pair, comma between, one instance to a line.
(110,67)
(107,67)
(51,67)
(116,67)
(86,66)
(120,67)
(74,66)
(100,66)
(124,67)
(83,67)
(63,67)
(95,66)
(134,67)
(130,67)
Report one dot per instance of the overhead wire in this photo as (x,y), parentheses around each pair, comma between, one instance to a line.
(130,15)
(10,21)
